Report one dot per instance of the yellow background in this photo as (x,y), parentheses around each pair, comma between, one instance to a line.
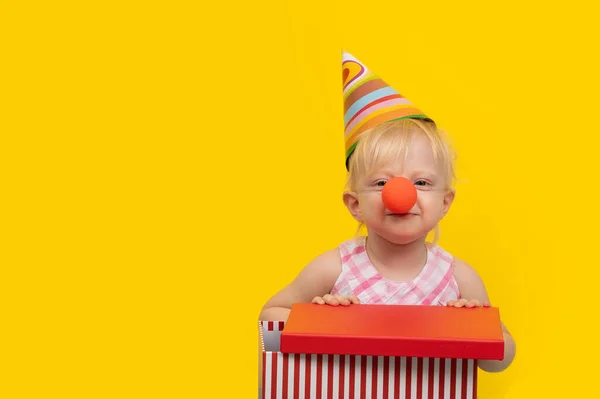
(167,166)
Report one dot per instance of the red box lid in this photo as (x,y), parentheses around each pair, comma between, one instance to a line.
(394,330)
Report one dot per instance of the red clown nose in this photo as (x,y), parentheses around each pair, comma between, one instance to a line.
(399,195)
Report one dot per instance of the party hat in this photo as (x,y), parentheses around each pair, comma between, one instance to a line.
(369,101)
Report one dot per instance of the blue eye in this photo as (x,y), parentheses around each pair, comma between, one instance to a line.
(421,183)
(380,183)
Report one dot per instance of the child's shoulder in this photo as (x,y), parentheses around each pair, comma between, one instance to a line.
(327,264)
(351,245)
(464,274)
(467,279)
(440,251)
(460,267)
(331,260)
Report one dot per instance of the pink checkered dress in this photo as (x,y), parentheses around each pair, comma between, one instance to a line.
(435,285)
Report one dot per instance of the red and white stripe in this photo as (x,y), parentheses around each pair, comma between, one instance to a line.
(300,376)
(272,325)
(378,377)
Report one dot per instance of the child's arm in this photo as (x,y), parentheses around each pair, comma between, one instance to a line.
(471,287)
(316,279)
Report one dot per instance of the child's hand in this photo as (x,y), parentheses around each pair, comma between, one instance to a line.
(335,300)
(472,303)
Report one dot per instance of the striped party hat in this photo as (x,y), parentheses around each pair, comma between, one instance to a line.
(369,101)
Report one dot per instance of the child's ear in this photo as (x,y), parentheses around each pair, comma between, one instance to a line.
(351,201)
(448,200)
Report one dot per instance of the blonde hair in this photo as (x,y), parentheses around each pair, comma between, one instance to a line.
(388,142)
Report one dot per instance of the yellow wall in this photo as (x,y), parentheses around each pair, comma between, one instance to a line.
(166,168)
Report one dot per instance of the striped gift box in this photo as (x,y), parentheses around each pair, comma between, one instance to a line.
(322,376)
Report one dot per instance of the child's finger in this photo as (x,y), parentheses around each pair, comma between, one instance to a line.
(354,299)
(460,303)
(473,303)
(450,303)
(318,300)
(342,300)
(330,300)
(486,304)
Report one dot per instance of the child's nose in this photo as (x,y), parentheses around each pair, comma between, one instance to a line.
(399,195)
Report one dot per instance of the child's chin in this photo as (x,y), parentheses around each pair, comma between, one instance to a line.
(402,239)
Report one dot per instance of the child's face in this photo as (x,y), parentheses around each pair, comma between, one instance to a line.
(433,199)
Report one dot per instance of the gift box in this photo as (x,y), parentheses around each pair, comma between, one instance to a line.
(377,351)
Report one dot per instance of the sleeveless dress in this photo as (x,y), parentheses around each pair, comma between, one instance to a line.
(434,286)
